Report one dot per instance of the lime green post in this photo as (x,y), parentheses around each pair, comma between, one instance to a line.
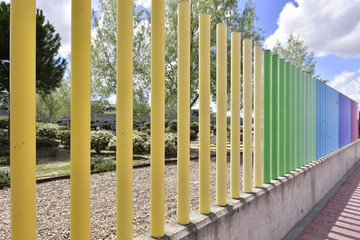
(288,139)
(274,153)
(266,114)
(281,122)
(302,118)
(308,114)
(293,117)
(297,119)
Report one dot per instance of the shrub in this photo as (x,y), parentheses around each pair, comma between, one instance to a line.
(4,160)
(5,153)
(64,127)
(174,125)
(112,144)
(100,140)
(167,123)
(144,128)
(4,122)
(102,164)
(4,177)
(64,137)
(193,135)
(194,126)
(138,142)
(49,131)
(147,124)
(170,144)
(46,143)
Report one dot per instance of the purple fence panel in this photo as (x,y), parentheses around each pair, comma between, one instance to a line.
(344,120)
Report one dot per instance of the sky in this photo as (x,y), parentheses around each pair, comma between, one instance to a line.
(330,28)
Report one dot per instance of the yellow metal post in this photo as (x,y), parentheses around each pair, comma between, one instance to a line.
(221,129)
(235,115)
(221,136)
(204,113)
(124,123)
(258,116)
(247,105)
(22,115)
(80,119)
(157,195)
(183,153)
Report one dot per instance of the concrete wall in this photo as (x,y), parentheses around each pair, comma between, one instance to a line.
(271,211)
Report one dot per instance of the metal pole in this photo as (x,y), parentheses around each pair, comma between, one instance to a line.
(258,110)
(22,115)
(124,127)
(247,103)
(80,119)
(204,114)
(274,117)
(157,154)
(293,118)
(221,129)
(235,115)
(281,122)
(183,187)
(266,115)
(288,137)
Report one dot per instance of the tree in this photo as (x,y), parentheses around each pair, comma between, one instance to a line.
(296,52)
(50,69)
(104,43)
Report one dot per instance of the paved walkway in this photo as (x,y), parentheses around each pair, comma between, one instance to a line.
(340,218)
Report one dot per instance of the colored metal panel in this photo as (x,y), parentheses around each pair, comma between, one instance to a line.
(274,117)
(281,121)
(318,117)
(354,121)
(292,117)
(266,115)
(288,138)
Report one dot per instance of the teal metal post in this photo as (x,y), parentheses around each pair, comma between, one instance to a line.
(266,114)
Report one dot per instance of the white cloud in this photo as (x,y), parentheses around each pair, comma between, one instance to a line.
(347,83)
(327,26)
(145,3)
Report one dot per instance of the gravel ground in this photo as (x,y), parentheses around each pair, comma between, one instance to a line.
(53,203)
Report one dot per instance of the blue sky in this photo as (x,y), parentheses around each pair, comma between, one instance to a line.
(330,28)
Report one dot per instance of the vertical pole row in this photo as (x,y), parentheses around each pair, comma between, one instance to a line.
(22,115)
(281,121)
(274,117)
(204,114)
(157,154)
(221,129)
(80,119)
(124,109)
(235,115)
(288,137)
(183,153)
(247,105)
(258,111)
(302,118)
(266,115)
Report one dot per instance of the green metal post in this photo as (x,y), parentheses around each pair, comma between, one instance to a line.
(274,117)
(288,139)
(293,117)
(266,114)
(297,119)
(281,122)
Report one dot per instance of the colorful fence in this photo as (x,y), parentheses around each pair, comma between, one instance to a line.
(302,118)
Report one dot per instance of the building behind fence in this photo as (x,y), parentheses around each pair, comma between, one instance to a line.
(296,118)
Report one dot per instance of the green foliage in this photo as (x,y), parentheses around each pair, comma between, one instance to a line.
(100,140)
(4,177)
(49,131)
(64,137)
(4,153)
(112,144)
(102,164)
(147,124)
(193,135)
(42,143)
(296,52)
(4,160)
(167,123)
(49,67)
(4,122)
(139,142)
(194,126)
(174,125)
(170,144)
